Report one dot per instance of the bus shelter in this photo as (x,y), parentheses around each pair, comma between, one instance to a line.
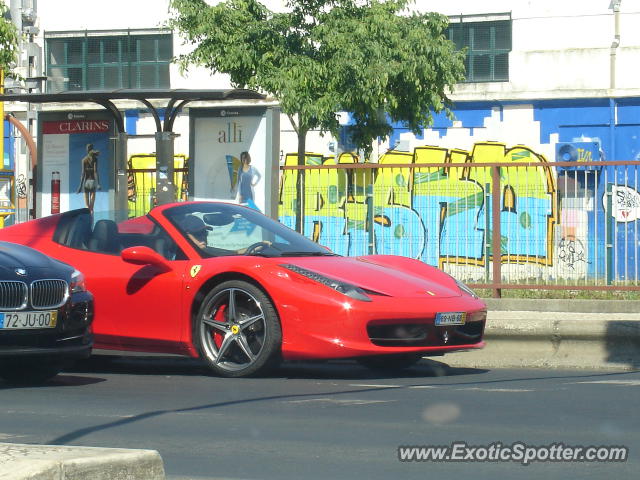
(68,137)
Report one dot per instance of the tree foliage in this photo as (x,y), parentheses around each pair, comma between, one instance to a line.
(373,58)
(8,41)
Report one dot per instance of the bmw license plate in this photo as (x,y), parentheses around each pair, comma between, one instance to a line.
(26,320)
(450,318)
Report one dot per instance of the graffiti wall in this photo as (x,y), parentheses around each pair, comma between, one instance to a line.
(439,215)
(573,223)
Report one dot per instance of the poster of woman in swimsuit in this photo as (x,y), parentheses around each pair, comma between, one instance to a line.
(90,178)
(78,150)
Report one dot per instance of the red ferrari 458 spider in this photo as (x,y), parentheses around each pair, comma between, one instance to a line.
(241,291)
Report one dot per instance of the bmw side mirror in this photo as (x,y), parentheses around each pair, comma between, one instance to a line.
(144,256)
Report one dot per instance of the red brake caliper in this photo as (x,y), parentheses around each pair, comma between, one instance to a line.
(219,317)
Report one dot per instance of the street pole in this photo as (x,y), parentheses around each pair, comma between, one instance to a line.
(121,188)
(165,187)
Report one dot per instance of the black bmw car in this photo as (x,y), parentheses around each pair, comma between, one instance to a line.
(45,315)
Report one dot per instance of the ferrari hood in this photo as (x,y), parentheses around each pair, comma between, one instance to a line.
(392,281)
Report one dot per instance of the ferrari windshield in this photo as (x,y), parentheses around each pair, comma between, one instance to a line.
(219,229)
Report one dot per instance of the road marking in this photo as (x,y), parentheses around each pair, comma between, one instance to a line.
(501,390)
(69,415)
(416,387)
(174,477)
(6,436)
(373,385)
(345,402)
(625,383)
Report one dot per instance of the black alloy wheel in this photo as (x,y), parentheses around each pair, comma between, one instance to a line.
(237,330)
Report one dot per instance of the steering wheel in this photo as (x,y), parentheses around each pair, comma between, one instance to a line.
(256,247)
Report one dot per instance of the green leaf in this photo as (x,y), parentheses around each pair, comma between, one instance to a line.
(9,39)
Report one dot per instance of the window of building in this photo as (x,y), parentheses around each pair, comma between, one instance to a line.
(100,60)
(487,39)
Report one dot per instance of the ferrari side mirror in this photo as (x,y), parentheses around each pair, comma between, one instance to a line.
(144,256)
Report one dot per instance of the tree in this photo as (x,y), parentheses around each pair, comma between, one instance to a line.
(8,40)
(372,58)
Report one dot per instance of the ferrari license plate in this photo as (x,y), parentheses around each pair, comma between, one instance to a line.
(26,320)
(450,318)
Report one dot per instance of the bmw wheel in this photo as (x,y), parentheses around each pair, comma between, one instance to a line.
(237,330)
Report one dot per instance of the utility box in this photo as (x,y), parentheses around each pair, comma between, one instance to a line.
(579,152)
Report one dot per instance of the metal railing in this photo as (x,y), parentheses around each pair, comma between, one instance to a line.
(562,225)
(141,189)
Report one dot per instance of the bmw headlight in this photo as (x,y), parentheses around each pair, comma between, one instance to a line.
(77,282)
(465,289)
(345,288)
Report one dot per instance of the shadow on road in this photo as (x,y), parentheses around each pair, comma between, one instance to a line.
(622,341)
(72,437)
(339,370)
(140,365)
(60,380)
(346,370)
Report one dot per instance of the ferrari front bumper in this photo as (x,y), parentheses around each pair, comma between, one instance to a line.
(349,328)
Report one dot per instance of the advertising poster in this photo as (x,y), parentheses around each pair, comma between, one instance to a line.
(75,163)
(229,147)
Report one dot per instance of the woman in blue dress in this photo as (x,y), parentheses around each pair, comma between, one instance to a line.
(247,178)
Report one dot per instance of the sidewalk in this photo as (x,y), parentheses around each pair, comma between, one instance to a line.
(533,333)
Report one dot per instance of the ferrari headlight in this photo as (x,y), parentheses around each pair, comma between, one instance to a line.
(77,282)
(345,288)
(465,289)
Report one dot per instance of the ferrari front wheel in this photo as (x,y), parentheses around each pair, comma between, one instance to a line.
(237,330)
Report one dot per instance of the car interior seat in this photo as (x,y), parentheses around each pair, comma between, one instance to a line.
(105,237)
(160,246)
(79,232)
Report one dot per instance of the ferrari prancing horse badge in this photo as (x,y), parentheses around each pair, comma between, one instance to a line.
(194,270)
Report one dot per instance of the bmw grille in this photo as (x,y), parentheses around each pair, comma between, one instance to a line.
(48,293)
(14,295)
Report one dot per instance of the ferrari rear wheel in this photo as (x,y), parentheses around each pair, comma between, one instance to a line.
(237,330)
(390,362)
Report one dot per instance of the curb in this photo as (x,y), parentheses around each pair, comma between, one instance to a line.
(51,462)
(527,339)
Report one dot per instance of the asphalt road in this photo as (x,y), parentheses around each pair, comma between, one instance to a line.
(327,421)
